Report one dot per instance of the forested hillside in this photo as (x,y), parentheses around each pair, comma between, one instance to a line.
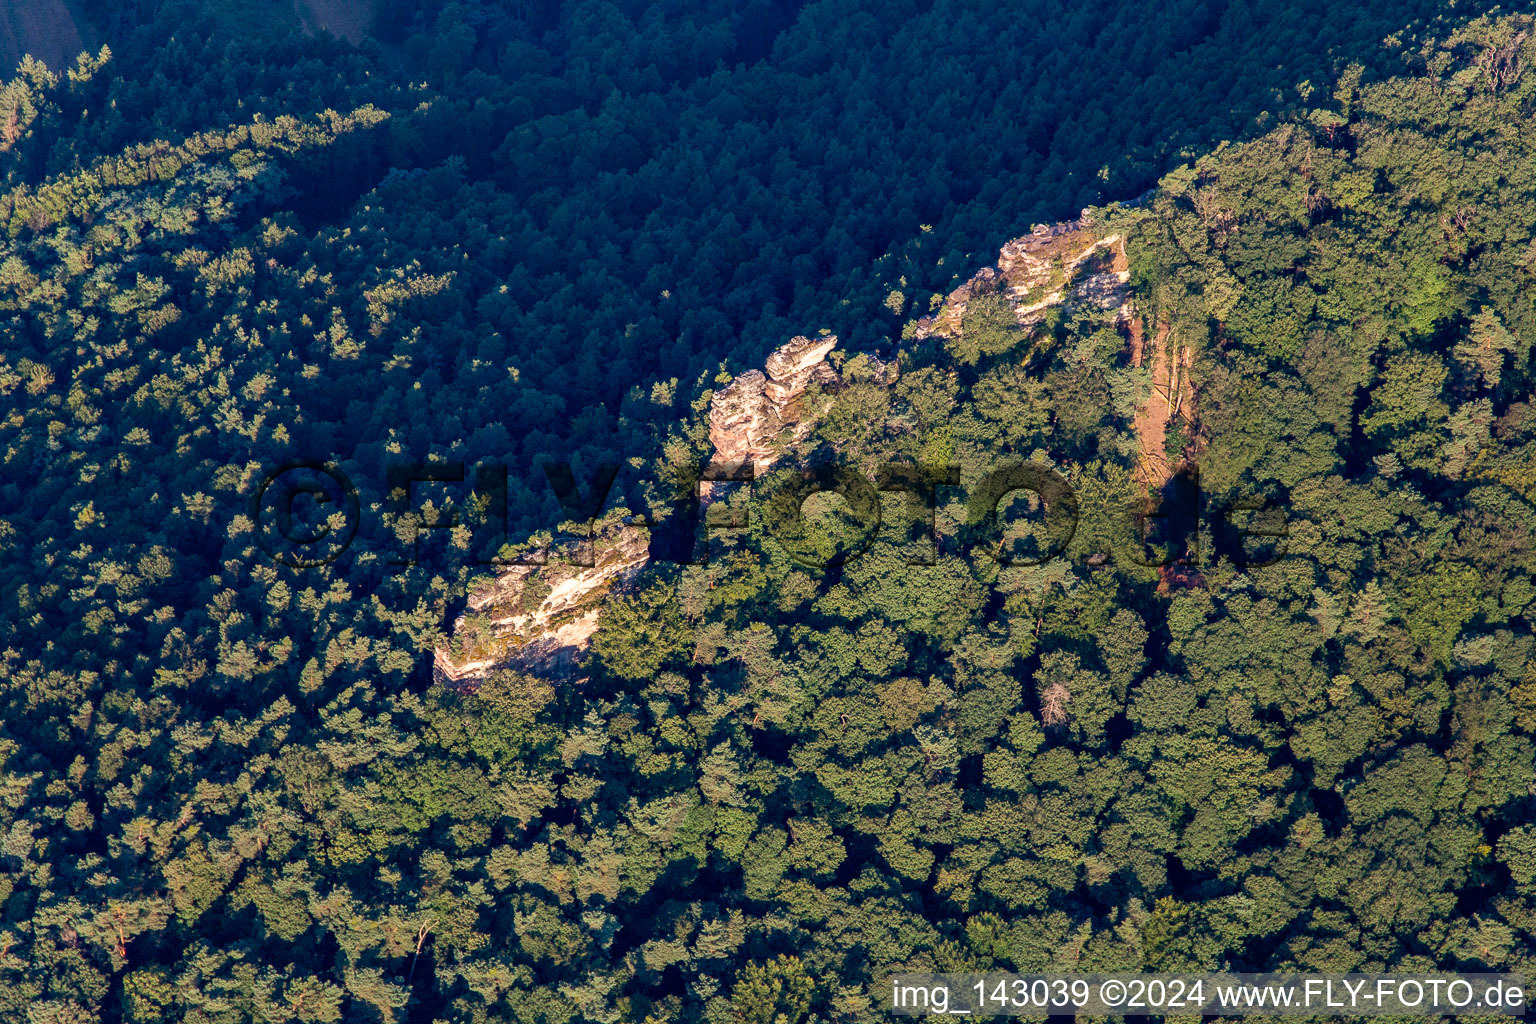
(615,194)
(501,235)
(913,747)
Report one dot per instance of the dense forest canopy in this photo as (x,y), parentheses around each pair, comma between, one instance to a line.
(628,193)
(510,234)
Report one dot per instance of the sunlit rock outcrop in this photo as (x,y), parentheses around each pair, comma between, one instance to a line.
(536,618)
(542,618)
(1062,263)
(757,414)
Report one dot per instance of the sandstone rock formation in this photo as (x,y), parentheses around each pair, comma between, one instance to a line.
(756,415)
(1063,263)
(539,618)
(1069,264)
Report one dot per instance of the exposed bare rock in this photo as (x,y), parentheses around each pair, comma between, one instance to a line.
(1104,291)
(540,617)
(740,417)
(1062,263)
(884,372)
(752,418)
(797,358)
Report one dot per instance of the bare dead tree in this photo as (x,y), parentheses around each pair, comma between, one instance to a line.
(1053,705)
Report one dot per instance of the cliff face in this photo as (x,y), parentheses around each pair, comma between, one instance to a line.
(537,618)
(542,618)
(1070,264)
(757,414)
(1061,263)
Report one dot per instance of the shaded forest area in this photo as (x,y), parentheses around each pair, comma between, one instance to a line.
(628,194)
(527,232)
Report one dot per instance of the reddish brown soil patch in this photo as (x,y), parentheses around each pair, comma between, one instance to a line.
(1151,423)
(1138,339)
(1172,400)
